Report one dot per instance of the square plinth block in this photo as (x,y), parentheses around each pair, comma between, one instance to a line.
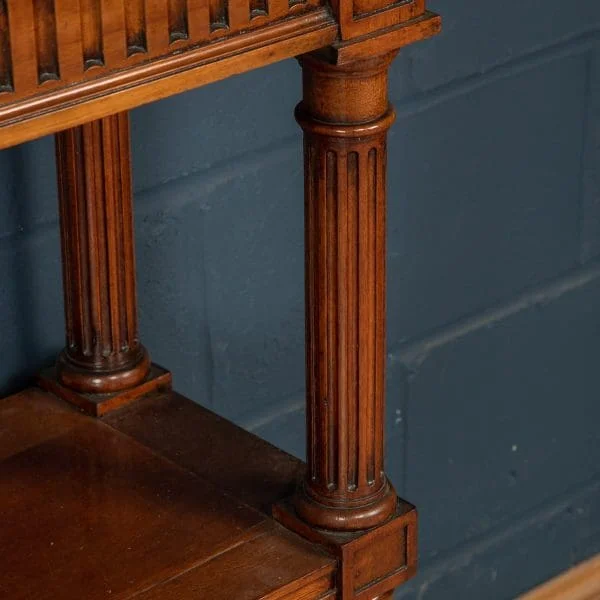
(372,562)
(98,405)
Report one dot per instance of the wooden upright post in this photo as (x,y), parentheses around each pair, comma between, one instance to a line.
(103,364)
(345,116)
(345,500)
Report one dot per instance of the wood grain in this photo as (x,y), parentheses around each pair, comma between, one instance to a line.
(91,514)
(262,563)
(99,57)
(91,33)
(231,458)
(135,25)
(63,106)
(70,42)
(139,504)
(103,352)
(178,20)
(345,116)
(388,39)
(88,512)
(31,417)
(46,42)
(106,35)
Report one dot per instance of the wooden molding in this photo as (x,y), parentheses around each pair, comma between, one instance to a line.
(56,74)
(56,107)
(53,44)
(363,17)
(158,379)
(372,563)
(385,40)
(579,583)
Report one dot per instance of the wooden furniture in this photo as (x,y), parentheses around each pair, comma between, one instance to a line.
(112,484)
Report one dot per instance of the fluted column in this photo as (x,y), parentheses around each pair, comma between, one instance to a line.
(103,353)
(345,116)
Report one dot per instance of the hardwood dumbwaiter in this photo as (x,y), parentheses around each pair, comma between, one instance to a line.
(106,457)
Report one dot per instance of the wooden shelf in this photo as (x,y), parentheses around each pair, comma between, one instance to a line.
(122,488)
(161,500)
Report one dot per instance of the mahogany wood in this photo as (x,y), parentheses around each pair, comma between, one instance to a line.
(55,43)
(345,115)
(122,58)
(103,352)
(162,499)
(212,447)
(88,512)
(372,562)
(345,501)
(388,39)
(103,365)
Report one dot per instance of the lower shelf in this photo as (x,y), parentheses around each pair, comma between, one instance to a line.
(161,500)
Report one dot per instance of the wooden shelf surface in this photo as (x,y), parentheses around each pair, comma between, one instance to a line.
(161,500)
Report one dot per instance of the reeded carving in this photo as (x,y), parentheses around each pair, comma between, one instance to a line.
(135,24)
(344,232)
(345,160)
(103,353)
(259,8)
(91,33)
(71,40)
(218,14)
(345,304)
(45,40)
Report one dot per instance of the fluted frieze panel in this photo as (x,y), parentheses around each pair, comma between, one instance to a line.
(135,26)
(46,43)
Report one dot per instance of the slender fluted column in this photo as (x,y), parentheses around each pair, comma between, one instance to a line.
(103,353)
(345,115)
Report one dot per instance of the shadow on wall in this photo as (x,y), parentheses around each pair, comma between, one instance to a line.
(30,259)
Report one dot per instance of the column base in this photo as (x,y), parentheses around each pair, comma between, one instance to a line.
(344,516)
(373,562)
(85,380)
(98,405)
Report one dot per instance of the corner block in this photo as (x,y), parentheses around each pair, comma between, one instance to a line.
(372,562)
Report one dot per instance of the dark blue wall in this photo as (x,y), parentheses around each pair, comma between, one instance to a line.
(494,278)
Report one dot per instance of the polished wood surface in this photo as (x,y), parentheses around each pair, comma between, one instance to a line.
(212,447)
(345,115)
(52,44)
(345,501)
(156,497)
(371,562)
(103,365)
(88,512)
(65,63)
(123,89)
(103,351)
